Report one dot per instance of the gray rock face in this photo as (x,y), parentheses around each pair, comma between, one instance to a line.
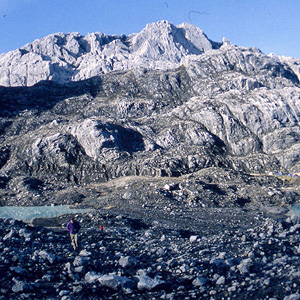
(72,57)
(94,136)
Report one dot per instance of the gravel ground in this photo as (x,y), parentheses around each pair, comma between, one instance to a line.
(244,256)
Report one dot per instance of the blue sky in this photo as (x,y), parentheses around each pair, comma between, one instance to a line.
(270,25)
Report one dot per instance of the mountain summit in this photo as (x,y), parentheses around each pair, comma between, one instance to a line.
(72,57)
(63,58)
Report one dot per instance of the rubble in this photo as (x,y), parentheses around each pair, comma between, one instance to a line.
(124,262)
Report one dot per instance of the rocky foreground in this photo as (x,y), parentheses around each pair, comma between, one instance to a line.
(130,259)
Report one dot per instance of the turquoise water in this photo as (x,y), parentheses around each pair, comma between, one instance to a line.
(294,212)
(296,209)
(31,212)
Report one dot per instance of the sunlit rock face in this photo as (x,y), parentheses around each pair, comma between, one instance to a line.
(69,57)
(72,57)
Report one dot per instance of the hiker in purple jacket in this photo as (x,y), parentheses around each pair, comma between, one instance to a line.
(73,227)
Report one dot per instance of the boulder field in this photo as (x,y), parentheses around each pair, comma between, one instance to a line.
(130,259)
(186,150)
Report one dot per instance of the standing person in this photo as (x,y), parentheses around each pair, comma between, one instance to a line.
(73,227)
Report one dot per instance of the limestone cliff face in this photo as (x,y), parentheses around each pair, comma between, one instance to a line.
(72,57)
(220,106)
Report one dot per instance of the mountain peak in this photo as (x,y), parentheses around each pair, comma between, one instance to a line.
(64,57)
(226,42)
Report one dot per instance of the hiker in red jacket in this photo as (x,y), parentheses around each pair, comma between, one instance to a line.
(73,227)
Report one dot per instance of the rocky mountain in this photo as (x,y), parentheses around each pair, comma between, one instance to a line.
(165,129)
(72,57)
(224,106)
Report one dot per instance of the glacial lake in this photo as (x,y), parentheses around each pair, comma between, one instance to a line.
(31,212)
(295,209)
